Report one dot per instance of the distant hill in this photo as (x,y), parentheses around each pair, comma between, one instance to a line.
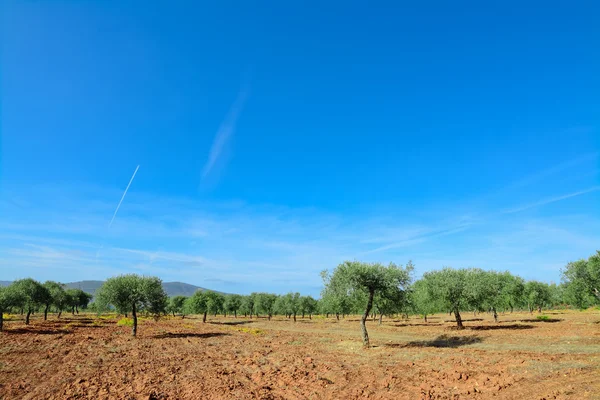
(172,288)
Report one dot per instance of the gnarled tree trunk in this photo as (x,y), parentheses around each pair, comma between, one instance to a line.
(459,323)
(46,312)
(204,317)
(495,314)
(363,320)
(27,316)
(134,316)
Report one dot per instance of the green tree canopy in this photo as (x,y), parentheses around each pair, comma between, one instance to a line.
(133,293)
(197,304)
(367,280)
(32,294)
(9,297)
(176,305)
(232,304)
(57,297)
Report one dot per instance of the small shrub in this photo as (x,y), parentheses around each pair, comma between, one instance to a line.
(543,317)
(125,322)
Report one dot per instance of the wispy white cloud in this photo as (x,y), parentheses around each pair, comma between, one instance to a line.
(254,244)
(551,171)
(550,200)
(225,131)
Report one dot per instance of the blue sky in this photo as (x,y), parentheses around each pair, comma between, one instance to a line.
(277,139)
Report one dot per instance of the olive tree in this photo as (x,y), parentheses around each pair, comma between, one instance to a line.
(57,297)
(371,279)
(215,302)
(265,303)
(76,299)
(232,304)
(335,296)
(176,304)
(451,288)
(9,297)
(308,305)
(197,304)
(247,305)
(537,295)
(582,279)
(32,294)
(134,293)
(421,301)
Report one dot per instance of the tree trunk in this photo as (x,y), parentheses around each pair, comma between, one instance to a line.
(302,314)
(77,309)
(234,313)
(380,318)
(337,316)
(363,320)
(459,323)
(73,311)
(46,312)
(425,317)
(540,309)
(173,313)
(27,316)
(204,317)
(134,316)
(495,314)
(294,317)
(59,313)
(309,316)
(326,315)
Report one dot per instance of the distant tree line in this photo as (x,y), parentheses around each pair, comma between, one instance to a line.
(27,296)
(369,289)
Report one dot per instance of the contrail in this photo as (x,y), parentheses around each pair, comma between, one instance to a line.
(551,200)
(122,197)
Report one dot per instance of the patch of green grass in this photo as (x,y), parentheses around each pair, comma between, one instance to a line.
(125,322)
(542,317)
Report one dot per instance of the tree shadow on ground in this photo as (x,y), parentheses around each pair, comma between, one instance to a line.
(551,320)
(442,341)
(171,335)
(465,320)
(230,322)
(499,327)
(419,324)
(36,331)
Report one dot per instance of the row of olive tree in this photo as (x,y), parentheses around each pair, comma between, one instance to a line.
(206,302)
(28,296)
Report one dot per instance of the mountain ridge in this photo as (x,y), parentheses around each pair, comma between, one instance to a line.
(172,288)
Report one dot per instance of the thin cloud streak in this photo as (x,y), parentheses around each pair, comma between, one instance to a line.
(123,197)
(540,175)
(226,130)
(551,200)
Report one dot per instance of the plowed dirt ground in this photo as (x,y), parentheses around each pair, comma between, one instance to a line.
(88,357)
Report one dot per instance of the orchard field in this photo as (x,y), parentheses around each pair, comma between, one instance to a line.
(553,355)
